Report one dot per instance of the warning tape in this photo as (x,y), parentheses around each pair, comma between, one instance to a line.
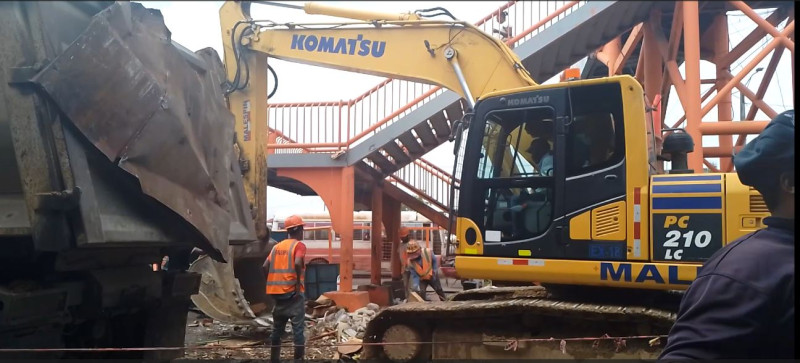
(652,338)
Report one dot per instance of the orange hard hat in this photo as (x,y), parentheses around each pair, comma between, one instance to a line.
(404,232)
(412,248)
(293,221)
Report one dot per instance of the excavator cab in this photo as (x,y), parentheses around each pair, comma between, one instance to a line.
(592,132)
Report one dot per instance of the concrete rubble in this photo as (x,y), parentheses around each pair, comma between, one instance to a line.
(326,325)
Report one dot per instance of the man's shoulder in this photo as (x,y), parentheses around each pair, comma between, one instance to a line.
(756,259)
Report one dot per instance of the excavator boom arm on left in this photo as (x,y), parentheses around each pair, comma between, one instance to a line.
(452,54)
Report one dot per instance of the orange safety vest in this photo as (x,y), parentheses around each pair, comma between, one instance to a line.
(282,278)
(425,271)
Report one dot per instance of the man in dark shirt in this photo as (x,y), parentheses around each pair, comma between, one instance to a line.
(741,305)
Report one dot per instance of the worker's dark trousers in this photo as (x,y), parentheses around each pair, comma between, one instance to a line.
(289,309)
(433,282)
(406,283)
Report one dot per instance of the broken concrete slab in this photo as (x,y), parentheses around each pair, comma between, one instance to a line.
(351,301)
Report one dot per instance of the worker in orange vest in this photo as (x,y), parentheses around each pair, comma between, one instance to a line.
(425,268)
(285,269)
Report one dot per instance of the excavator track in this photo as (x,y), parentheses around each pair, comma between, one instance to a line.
(520,322)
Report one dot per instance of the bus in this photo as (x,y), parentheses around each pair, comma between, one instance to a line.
(323,243)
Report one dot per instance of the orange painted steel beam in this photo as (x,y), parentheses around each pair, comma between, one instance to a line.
(650,68)
(747,68)
(683,118)
(719,152)
(710,166)
(673,75)
(630,44)
(751,39)
(609,52)
(678,20)
(719,36)
(377,240)
(763,106)
(691,103)
(639,73)
(732,128)
(763,24)
(391,220)
(336,187)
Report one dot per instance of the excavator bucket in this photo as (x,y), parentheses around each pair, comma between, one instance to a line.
(222,297)
(166,125)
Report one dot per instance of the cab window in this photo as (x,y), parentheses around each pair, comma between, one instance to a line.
(594,138)
(517,162)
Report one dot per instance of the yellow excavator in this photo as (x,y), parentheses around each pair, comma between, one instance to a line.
(558,185)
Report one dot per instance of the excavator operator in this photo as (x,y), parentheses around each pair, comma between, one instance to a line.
(284,269)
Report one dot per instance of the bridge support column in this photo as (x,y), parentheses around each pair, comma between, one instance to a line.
(692,106)
(652,76)
(391,220)
(724,109)
(377,240)
(336,187)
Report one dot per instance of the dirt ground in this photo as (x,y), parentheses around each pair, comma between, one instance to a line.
(216,340)
(227,341)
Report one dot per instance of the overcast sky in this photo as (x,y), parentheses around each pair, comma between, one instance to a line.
(195,25)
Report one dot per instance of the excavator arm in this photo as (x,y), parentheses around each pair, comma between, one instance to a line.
(452,54)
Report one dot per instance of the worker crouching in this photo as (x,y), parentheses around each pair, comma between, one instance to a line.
(284,269)
(423,270)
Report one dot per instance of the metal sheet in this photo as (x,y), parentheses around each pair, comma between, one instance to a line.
(148,109)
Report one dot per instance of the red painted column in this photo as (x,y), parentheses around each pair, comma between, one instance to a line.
(391,219)
(653,77)
(691,49)
(377,240)
(345,218)
(724,108)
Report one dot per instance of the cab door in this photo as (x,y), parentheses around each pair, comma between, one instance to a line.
(592,158)
(505,187)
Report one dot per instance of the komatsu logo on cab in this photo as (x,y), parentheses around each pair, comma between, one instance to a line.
(524,101)
(347,46)
(646,272)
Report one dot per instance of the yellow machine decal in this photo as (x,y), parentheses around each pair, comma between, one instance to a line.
(596,273)
(686,212)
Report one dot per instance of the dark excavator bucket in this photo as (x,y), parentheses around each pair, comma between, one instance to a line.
(156,110)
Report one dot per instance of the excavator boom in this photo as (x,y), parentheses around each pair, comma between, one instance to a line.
(451,54)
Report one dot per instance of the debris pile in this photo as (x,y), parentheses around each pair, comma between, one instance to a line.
(335,323)
(327,325)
